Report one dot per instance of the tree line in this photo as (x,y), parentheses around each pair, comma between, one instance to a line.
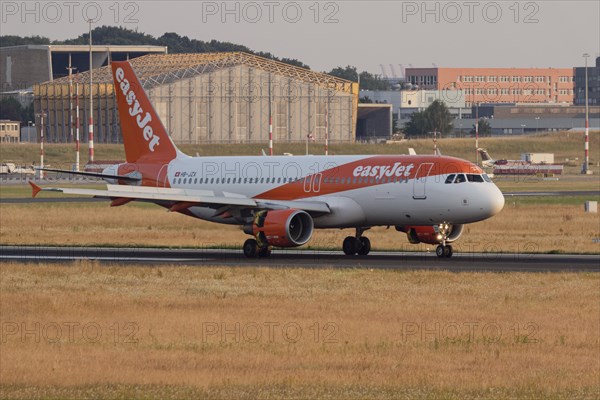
(176,44)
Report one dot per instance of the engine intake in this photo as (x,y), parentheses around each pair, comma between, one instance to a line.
(281,228)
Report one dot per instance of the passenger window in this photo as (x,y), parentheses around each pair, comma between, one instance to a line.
(450,178)
(460,178)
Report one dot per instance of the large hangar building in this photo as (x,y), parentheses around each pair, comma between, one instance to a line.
(209,98)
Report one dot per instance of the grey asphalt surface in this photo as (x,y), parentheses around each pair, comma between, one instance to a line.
(493,262)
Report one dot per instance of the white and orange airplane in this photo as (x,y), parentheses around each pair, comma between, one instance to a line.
(280,200)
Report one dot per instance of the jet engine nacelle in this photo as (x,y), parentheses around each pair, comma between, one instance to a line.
(281,228)
(429,235)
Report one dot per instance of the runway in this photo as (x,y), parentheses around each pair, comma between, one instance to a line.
(479,262)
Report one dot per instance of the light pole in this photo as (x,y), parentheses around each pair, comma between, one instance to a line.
(537,124)
(91,126)
(523,128)
(41,117)
(586,162)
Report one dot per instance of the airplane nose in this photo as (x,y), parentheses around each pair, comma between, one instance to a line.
(496,201)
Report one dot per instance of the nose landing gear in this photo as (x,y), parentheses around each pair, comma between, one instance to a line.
(358,244)
(443,250)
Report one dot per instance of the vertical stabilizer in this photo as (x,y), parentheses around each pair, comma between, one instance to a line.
(144,136)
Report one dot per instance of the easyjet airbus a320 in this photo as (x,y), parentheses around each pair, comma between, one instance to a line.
(280,200)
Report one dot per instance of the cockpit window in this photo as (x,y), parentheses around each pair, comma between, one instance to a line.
(460,178)
(487,178)
(474,178)
(450,178)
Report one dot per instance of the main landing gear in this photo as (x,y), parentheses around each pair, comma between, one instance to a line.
(358,244)
(252,249)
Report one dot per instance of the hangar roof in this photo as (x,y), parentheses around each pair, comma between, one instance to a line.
(159,69)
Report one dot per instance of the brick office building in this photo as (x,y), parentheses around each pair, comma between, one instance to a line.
(498,85)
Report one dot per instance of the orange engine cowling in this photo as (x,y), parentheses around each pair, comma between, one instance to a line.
(427,234)
(281,228)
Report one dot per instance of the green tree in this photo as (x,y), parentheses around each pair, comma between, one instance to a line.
(417,125)
(436,117)
(11,109)
(349,73)
(484,128)
(122,36)
(11,40)
(368,81)
(439,117)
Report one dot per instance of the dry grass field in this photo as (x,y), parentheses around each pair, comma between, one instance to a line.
(90,331)
(564,145)
(524,226)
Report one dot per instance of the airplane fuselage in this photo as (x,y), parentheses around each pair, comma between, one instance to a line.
(360,190)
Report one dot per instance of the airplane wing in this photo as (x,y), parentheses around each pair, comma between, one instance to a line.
(181,199)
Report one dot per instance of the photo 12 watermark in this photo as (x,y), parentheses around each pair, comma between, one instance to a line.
(63,12)
(269,332)
(454,12)
(254,12)
(469,332)
(68,332)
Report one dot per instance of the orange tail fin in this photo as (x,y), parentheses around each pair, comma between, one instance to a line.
(144,136)
(35,189)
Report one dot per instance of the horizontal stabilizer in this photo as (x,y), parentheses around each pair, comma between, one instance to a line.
(92,174)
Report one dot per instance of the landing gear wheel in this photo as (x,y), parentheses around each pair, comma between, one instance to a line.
(444,251)
(250,248)
(350,245)
(439,251)
(448,251)
(264,252)
(365,246)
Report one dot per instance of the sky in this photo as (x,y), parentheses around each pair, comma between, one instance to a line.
(326,34)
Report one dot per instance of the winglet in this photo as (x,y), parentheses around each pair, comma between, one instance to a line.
(35,189)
